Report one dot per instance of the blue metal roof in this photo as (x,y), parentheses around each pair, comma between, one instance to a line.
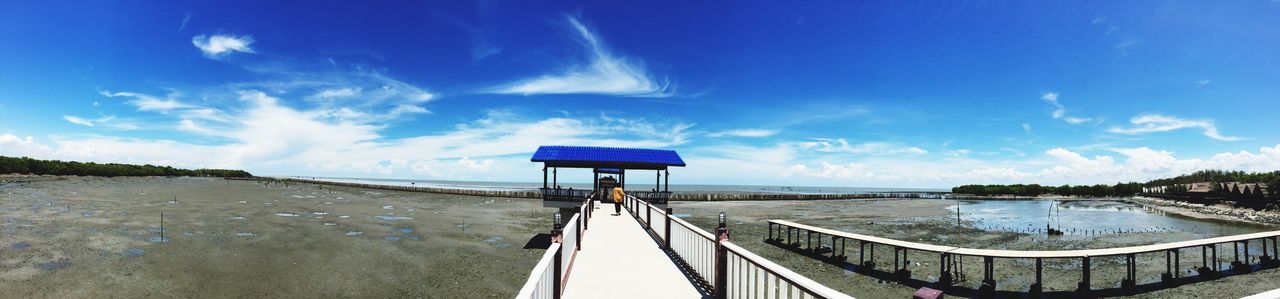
(606,157)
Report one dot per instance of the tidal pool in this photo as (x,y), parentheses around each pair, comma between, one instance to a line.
(1091,217)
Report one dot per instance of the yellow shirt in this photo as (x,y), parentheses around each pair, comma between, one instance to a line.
(617,194)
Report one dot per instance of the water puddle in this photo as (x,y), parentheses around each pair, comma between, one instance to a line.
(330,224)
(158,240)
(320,213)
(237,218)
(286,214)
(496,241)
(87,214)
(53,265)
(245,234)
(388,207)
(392,218)
(21,245)
(133,252)
(391,238)
(344,217)
(405,230)
(354,233)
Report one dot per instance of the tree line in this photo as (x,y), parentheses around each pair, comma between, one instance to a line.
(1099,190)
(25,165)
(1220,187)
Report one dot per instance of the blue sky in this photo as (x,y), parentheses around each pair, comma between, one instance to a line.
(890,94)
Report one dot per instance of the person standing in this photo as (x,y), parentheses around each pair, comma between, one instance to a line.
(618,196)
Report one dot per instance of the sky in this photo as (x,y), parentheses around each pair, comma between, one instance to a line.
(924,94)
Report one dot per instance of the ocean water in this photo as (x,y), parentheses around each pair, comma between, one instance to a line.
(634,185)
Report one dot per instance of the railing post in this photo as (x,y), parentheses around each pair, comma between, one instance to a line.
(666,236)
(557,236)
(721,277)
(648,221)
(578,238)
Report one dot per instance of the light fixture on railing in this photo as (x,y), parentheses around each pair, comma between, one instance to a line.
(557,219)
(722,219)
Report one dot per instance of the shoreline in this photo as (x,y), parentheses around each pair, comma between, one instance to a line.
(681,196)
(1211,211)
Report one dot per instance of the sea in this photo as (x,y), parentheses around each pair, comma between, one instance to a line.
(684,188)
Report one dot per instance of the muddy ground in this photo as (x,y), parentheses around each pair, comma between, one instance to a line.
(929,221)
(95,237)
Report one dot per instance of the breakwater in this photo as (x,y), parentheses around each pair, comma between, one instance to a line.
(538,195)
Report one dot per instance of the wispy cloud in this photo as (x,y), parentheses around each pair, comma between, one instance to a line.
(605,73)
(1151,123)
(1060,111)
(219,45)
(1026,127)
(1203,82)
(867,148)
(105,121)
(185,18)
(148,102)
(743,133)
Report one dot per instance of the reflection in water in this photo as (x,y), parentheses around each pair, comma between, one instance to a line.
(1087,217)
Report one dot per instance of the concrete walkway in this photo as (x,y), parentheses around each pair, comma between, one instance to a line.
(619,260)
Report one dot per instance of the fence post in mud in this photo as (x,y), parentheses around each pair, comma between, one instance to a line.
(988,276)
(1038,287)
(1083,288)
(666,235)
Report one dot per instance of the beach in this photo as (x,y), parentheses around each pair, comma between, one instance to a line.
(78,237)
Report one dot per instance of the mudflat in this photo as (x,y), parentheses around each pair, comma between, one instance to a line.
(930,221)
(101,237)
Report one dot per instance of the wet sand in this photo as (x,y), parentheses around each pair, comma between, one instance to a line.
(96,237)
(930,221)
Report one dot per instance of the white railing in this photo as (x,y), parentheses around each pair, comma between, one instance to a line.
(752,276)
(743,274)
(548,277)
(542,281)
(696,247)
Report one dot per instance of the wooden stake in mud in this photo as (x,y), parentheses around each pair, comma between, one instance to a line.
(161,227)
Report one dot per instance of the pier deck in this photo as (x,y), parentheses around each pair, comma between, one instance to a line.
(619,260)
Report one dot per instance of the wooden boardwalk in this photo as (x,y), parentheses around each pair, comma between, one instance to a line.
(619,260)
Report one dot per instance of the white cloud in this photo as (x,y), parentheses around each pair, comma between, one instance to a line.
(1151,123)
(605,73)
(78,121)
(266,135)
(867,148)
(743,133)
(148,102)
(1203,82)
(345,92)
(14,146)
(1060,111)
(105,121)
(218,45)
(1026,127)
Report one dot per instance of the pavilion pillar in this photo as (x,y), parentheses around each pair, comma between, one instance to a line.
(657,180)
(554,178)
(667,182)
(622,178)
(544,177)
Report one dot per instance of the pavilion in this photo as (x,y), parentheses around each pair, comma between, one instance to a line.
(604,160)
